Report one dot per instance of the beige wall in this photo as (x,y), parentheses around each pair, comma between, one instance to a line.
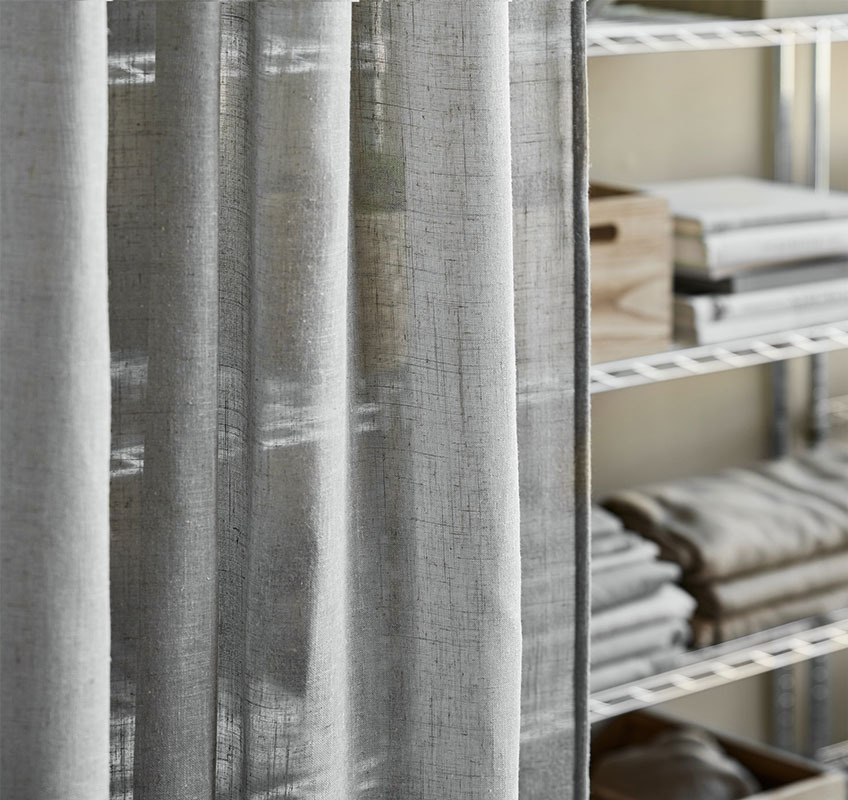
(656,117)
(678,115)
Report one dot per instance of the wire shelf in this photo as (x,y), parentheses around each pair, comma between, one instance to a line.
(726,663)
(612,37)
(706,359)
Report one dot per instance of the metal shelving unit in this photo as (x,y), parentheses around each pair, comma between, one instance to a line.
(723,664)
(629,30)
(703,360)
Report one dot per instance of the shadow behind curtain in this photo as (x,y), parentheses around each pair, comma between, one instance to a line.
(394,245)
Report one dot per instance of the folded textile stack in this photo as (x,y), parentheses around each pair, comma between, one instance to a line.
(759,547)
(754,256)
(639,617)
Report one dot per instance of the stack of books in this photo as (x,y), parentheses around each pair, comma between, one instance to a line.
(754,256)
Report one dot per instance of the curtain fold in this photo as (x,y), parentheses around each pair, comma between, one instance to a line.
(549,190)
(54,415)
(437,473)
(347,312)
(177,652)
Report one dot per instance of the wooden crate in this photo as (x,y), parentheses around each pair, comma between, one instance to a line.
(631,268)
(782,775)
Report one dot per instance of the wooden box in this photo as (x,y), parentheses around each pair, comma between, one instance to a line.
(782,775)
(631,270)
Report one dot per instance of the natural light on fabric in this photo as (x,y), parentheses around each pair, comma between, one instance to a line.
(347,316)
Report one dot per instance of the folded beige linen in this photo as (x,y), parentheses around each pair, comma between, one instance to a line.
(739,520)
(708,631)
(818,473)
(750,592)
(830,460)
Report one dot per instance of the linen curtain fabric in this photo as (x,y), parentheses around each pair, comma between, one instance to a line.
(54,415)
(346,551)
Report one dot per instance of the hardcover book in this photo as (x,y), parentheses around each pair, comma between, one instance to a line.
(705,319)
(727,225)
(713,205)
(731,251)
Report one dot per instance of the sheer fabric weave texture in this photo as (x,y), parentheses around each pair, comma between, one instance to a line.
(347,323)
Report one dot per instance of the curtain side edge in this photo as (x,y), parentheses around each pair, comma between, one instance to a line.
(54,484)
(582,408)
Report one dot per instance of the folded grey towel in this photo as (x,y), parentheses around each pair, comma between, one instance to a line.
(642,640)
(603,522)
(617,673)
(682,764)
(615,586)
(742,520)
(667,602)
(634,550)
(708,631)
(750,592)
(613,543)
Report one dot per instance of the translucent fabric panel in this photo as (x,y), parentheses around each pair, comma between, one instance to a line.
(284,712)
(347,306)
(435,455)
(348,311)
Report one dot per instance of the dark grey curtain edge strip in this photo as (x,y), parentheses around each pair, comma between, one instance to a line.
(582,408)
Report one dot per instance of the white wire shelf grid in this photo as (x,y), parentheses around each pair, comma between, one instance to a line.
(723,664)
(703,360)
(638,34)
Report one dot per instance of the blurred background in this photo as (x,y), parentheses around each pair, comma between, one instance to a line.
(669,116)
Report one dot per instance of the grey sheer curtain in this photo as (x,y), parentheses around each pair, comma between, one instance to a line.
(342,540)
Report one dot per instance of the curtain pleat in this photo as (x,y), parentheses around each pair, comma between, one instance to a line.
(438,571)
(54,425)
(549,223)
(347,310)
(236,429)
(284,643)
(177,654)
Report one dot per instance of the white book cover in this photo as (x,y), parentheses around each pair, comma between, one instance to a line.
(710,205)
(730,330)
(725,253)
(705,309)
